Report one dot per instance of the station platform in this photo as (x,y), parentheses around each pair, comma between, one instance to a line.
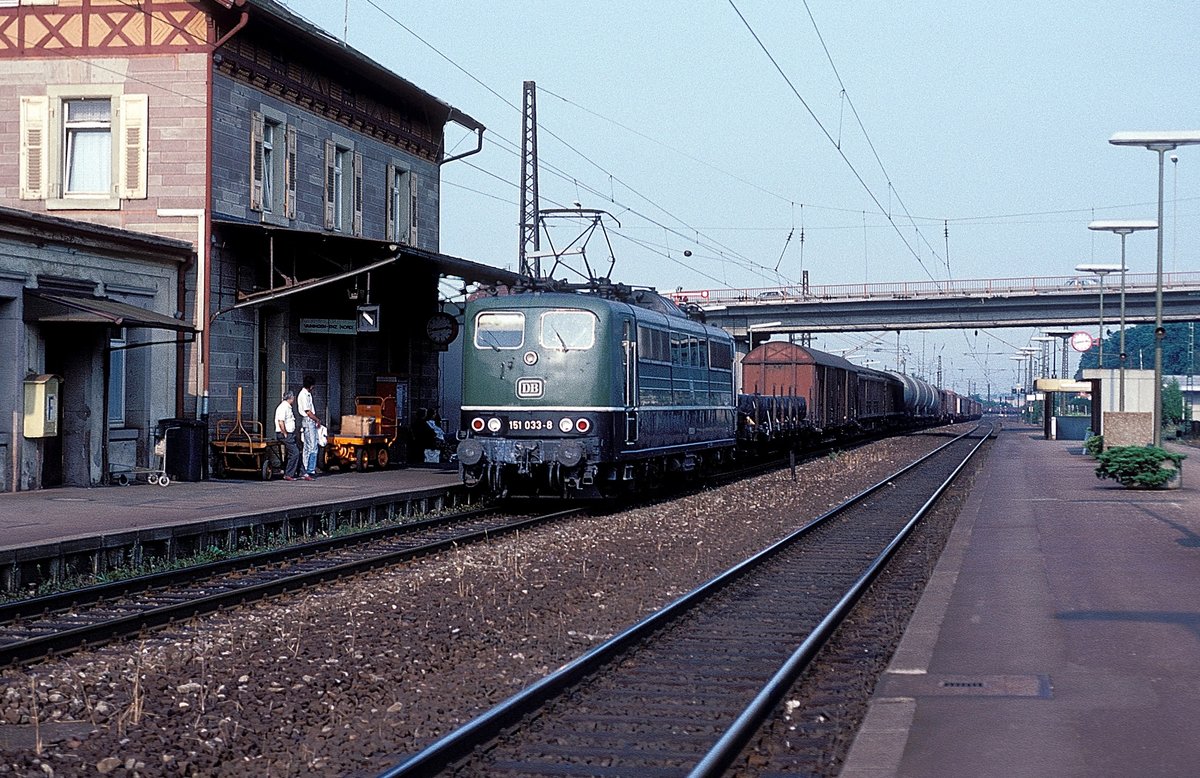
(1059,635)
(52,532)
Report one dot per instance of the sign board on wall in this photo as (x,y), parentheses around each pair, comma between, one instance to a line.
(328,326)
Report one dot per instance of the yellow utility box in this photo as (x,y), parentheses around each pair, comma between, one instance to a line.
(41,406)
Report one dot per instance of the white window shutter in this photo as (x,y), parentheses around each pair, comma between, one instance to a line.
(412,209)
(358,193)
(289,174)
(256,161)
(135,115)
(35,121)
(330,154)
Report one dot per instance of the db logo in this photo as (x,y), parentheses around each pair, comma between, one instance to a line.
(530,388)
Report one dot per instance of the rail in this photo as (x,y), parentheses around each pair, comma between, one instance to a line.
(561,737)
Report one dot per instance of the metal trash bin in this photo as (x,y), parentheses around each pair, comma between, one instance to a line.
(187,448)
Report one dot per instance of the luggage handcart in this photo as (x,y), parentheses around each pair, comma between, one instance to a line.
(124,475)
(241,447)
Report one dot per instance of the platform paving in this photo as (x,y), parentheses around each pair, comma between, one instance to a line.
(1059,636)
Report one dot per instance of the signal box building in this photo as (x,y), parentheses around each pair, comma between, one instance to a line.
(284,187)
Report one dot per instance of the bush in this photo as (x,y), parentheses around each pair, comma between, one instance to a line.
(1138,466)
(1093,445)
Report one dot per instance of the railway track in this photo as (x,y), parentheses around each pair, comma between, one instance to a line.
(56,624)
(683,691)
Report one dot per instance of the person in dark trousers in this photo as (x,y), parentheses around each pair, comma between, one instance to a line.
(285,433)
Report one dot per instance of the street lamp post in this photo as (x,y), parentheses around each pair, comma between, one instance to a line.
(1101,271)
(1123,228)
(1160,142)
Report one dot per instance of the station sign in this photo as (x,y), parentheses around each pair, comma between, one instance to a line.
(328,326)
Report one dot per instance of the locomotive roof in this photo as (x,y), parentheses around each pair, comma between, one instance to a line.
(647,305)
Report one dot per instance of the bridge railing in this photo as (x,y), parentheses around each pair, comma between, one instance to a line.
(894,290)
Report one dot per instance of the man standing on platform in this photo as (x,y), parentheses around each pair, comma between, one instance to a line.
(308,426)
(285,433)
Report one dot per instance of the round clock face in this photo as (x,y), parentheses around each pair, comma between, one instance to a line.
(441,328)
(1081,341)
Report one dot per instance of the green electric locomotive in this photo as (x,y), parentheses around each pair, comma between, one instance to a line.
(588,395)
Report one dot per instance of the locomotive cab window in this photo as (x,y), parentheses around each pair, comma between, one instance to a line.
(499,330)
(568,330)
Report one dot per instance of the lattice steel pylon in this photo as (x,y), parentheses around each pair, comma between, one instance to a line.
(531,243)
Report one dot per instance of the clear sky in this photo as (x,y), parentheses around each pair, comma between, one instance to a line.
(905,140)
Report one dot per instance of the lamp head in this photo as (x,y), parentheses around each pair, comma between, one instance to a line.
(1159,140)
(1123,226)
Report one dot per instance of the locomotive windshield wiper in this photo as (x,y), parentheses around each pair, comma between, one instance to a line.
(560,340)
(490,339)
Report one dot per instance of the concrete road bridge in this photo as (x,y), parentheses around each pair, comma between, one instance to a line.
(1051,301)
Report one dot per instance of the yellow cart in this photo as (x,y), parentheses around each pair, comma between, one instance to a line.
(369,450)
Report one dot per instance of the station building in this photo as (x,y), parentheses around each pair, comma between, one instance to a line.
(267,195)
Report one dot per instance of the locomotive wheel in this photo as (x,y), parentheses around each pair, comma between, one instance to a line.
(381,458)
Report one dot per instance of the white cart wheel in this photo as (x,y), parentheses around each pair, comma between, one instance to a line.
(123,480)
(152,478)
(164,480)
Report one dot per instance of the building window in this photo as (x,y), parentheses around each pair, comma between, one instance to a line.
(268,166)
(343,186)
(87,130)
(272,166)
(116,379)
(83,147)
(401,205)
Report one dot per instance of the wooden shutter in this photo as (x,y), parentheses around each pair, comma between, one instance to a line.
(358,193)
(289,175)
(412,209)
(330,154)
(135,114)
(390,229)
(35,120)
(256,161)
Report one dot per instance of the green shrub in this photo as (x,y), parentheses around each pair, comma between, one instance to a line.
(1093,445)
(1138,465)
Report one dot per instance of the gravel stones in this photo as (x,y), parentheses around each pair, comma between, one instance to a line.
(350,676)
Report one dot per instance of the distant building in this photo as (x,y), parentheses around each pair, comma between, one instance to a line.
(304,177)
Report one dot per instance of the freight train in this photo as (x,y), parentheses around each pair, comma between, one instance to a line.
(585,395)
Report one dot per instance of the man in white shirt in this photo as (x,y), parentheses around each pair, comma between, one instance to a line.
(309,422)
(285,433)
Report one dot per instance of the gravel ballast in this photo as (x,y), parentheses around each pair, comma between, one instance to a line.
(348,677)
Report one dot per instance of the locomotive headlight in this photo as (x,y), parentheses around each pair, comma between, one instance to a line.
(493,425)
(570,453)
(565,425)
(470,452)
(477,424)
(530,358)
(582,425)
